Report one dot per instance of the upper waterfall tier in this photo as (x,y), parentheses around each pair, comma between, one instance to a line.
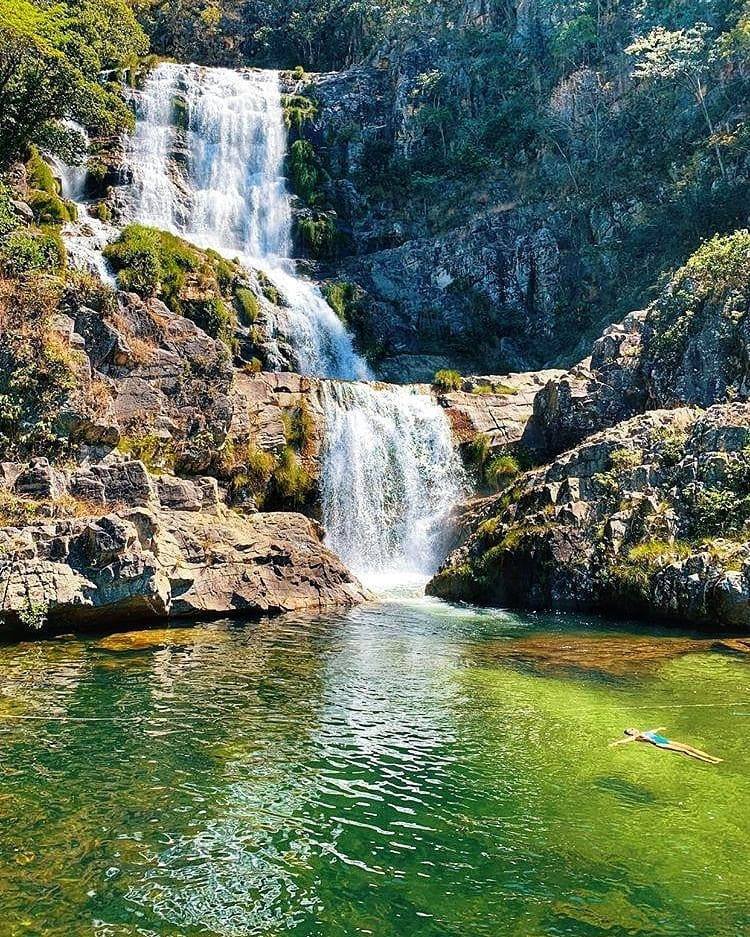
(220,183)
(207,163)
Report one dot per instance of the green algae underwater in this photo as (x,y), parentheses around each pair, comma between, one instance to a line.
(409,768)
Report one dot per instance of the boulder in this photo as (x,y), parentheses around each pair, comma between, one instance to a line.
(154,563)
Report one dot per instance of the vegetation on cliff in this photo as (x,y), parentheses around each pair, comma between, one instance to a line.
(53,57)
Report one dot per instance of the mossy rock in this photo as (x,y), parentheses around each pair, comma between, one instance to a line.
(247,305)
(192,282)
(39,174)
(51,209)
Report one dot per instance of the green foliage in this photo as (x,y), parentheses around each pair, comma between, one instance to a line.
(505,390)
(343,298)
(103,212)
(156,455)
(247,304)
(299,426)
(501,471)
(51,209)
(447,380)
(28,249)
(137,258)
(36,371)
(268,289)
(9,220)
(298,110)
(305,172)
(719,510)
(291,483)
(714,273)
(192,282)
(318,233)
(53,57)
(32,616)
(39,174)
(633,573)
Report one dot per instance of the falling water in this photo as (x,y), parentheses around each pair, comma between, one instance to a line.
(207,161)
(87,236)
(391,475)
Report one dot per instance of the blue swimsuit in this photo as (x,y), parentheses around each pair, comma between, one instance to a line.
(655,738)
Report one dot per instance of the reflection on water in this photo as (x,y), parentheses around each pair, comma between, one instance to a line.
(406,768)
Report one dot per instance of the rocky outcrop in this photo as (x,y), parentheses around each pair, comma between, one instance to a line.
(499,408)
(601,391)
(649,516)
(482,282)
(493,285)
(690,347)
(147,563)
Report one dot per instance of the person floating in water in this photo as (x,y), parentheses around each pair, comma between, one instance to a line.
(652,737)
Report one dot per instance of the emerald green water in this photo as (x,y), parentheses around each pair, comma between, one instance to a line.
(389,771)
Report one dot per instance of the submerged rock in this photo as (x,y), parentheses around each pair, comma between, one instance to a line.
(609,655)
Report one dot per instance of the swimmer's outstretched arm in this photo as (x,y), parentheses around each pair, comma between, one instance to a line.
(630,738)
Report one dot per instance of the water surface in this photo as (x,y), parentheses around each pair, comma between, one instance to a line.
(409,768)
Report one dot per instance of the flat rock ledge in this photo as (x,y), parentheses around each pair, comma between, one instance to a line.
(151,563)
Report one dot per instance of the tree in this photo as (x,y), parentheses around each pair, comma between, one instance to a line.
(681,57)
(51,59)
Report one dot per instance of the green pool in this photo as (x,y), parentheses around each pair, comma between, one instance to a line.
(403,769)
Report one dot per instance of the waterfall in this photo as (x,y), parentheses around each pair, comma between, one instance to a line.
(207,161)
(391,475)
(87,236)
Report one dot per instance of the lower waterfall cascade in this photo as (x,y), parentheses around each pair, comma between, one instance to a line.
(391,475)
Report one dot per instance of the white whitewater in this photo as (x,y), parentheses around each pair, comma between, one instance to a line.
(85,238)
(207,160)
(391,477)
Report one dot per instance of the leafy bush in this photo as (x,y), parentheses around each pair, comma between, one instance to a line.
(247,304)
(39,174)
(36,375)
(192,282)
(305,172)
(136,256)
(28,249)
(8,218)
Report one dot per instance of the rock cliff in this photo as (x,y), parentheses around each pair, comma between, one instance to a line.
(647,516)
